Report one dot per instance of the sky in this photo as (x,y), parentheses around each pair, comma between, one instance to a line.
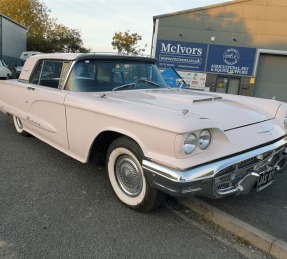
(99,20)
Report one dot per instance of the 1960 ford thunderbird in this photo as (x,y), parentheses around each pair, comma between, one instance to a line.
(116,109)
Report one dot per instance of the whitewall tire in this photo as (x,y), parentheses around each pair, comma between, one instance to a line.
(19,126)
(127,178)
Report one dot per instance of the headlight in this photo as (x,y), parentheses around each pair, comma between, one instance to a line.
(204,139)
(189,143)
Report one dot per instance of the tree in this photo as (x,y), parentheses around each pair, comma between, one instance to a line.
(42,29)
(127,42)
(64,39)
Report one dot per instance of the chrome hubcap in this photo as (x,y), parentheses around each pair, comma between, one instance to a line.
(128,175)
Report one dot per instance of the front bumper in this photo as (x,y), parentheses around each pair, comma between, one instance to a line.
(233,175)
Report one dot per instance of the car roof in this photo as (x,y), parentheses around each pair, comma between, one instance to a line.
(96,55)
(33,60)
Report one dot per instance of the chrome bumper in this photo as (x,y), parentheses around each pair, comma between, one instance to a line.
(228,176)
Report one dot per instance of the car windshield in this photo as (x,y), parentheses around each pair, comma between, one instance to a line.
(118,75)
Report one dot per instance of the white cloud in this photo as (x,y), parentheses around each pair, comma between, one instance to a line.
(98,20)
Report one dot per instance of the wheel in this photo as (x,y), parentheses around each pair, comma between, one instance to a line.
(19,126)
(127,178)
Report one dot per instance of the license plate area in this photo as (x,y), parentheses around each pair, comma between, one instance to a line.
(266,178)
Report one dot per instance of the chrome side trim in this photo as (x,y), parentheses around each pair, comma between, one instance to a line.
(206,171)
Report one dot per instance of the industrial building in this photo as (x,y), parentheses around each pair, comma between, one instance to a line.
(13,38)
(236,47)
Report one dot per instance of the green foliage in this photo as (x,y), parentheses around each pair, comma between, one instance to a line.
(64,39)
(127,42)
(44,34)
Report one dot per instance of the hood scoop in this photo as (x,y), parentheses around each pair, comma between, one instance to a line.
(186,112)
(210,99)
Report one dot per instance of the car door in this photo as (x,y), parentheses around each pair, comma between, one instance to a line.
(44,104)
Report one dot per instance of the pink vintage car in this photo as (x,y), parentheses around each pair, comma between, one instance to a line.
(117,110)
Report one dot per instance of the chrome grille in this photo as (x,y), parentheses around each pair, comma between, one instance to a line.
(228,178)
(248,162)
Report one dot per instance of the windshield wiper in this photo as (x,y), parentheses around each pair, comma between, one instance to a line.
(142,79)
(133,85)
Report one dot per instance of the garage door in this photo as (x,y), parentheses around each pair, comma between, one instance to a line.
(271,77)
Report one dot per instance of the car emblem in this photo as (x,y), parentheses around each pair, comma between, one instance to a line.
(266,131)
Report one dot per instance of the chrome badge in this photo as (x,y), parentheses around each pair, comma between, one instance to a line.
(268,131)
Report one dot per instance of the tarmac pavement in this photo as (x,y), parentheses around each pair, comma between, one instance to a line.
(257,218)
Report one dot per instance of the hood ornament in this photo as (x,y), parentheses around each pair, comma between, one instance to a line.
(185,112)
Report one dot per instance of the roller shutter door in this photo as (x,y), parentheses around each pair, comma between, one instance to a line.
(271,77)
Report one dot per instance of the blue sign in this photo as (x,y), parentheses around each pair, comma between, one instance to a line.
(181,55)
(172,78)
(231,60)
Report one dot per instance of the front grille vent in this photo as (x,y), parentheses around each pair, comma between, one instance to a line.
(228,178)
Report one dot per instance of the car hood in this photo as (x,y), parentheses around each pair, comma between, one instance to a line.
(226,113)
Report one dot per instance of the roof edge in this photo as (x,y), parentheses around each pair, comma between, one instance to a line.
(230,2)
(11,20)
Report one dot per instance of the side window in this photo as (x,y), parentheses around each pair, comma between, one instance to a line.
(47,73)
